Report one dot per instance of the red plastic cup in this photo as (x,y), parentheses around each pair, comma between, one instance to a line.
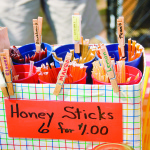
(81,81)
(130,72)
(23,71)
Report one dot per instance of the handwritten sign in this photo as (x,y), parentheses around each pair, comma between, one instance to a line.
(76,27)
(64,120)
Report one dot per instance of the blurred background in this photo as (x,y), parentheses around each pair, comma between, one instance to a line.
(137,21)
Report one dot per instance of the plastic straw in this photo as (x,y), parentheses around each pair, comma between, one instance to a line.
(128,79)
(76,60)
(90,56)
(129,49)
(83,51)
(77,72)
(46,77)
(119,73)
(31,68)
(123,71)
(72,58)
(55,56)
(136,76)
(70,78)
(61,63)
(54,72)
(119,51)
(133,49)
(138,51)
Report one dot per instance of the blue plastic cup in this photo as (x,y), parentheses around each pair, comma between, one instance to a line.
(113,52)
(30,49)
(62,51)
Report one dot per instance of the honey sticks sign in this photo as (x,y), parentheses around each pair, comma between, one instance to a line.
(84,121)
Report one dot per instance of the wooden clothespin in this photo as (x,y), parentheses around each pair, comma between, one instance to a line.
(62,74)
(40,21)
(121,36)
(76,30)
(1,39)
(7,73)
(108,67)
(36,35)
(3,84)
(4,40)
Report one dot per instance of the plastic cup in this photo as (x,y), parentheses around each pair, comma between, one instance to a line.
(61,52)
(30,49)
(113,52)
(130,72)
(81,81)
(23,71)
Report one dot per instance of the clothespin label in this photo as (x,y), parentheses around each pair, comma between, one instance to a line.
(76,27)
(40,20)
(62,74)
(120,30)
(76,31)
(109,68)
(35,29)
(6,69)
(64,69)
(121,38)
(8,75)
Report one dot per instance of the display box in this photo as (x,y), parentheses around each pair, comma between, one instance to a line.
(81,117)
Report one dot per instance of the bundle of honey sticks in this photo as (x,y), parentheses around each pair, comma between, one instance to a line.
(48,73)
(134,50)
(119,70)
(99,72)
(86,53)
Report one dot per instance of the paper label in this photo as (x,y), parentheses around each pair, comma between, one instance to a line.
(76,27)
(36,34)
(121,39)
(84,121)
(5,66)
(64,69)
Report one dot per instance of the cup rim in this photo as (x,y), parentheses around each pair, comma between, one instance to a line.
(126,51)
(72,44)
(64,83)
(24,72)
(126,83)
(36,61)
